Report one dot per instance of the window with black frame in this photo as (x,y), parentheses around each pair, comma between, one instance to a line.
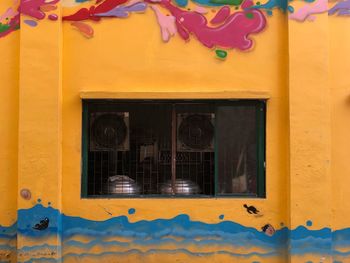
(173,148)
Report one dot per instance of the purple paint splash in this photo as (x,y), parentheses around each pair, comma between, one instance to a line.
(341,8)
(31,23)
(233,33)
(123,11)
(344,12)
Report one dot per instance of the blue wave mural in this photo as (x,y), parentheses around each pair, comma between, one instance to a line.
(119,236)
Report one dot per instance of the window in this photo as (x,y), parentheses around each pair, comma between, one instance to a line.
(173,148)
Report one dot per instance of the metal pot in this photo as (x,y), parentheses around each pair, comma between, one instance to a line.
(182,187)
(123,185)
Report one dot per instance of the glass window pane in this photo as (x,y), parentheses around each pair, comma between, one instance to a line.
(195,148)
(134,148)
(237,150)
(128,148)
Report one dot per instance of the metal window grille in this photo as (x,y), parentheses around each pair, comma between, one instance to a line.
(173,148)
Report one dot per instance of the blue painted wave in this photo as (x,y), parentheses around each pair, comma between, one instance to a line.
(43,259)
(6,247)
(39,247)
(167,251)
(188,236)
(8,233)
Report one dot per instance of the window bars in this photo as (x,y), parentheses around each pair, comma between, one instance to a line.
(173,148)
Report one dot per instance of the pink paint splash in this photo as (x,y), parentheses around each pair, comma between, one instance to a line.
(200,9)
(53,17)
(233,33)
(10,13)
(221,15)
(32,7)
(166,23)
(308,10)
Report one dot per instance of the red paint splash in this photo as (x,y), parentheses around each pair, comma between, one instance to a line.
(91,13)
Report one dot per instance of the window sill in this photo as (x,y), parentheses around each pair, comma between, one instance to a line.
(235,94)
(170,197)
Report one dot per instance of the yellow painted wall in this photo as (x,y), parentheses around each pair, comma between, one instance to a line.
(123,60)
(146,65)
(9,77)
(301,68)
(340,89)
(39,133)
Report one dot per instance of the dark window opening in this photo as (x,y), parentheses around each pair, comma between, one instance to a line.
(173,148)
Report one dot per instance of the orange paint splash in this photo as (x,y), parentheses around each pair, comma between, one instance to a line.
(84,28)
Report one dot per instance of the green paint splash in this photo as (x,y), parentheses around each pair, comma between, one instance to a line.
(249,15)
(222,54)
(4,27)
(227,2)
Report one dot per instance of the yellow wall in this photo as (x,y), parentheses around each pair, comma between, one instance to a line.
(107,63)
(301,68)
(110,63)
(39,132)
(9,76)
(340,89)
(145,64)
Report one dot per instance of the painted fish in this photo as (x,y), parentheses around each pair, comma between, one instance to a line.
(42,225)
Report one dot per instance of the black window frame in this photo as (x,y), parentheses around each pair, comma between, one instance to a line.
(260,109)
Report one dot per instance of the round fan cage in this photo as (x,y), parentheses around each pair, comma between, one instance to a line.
(109,130)
(196,131)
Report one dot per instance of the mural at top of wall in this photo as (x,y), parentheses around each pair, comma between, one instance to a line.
(231,27)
